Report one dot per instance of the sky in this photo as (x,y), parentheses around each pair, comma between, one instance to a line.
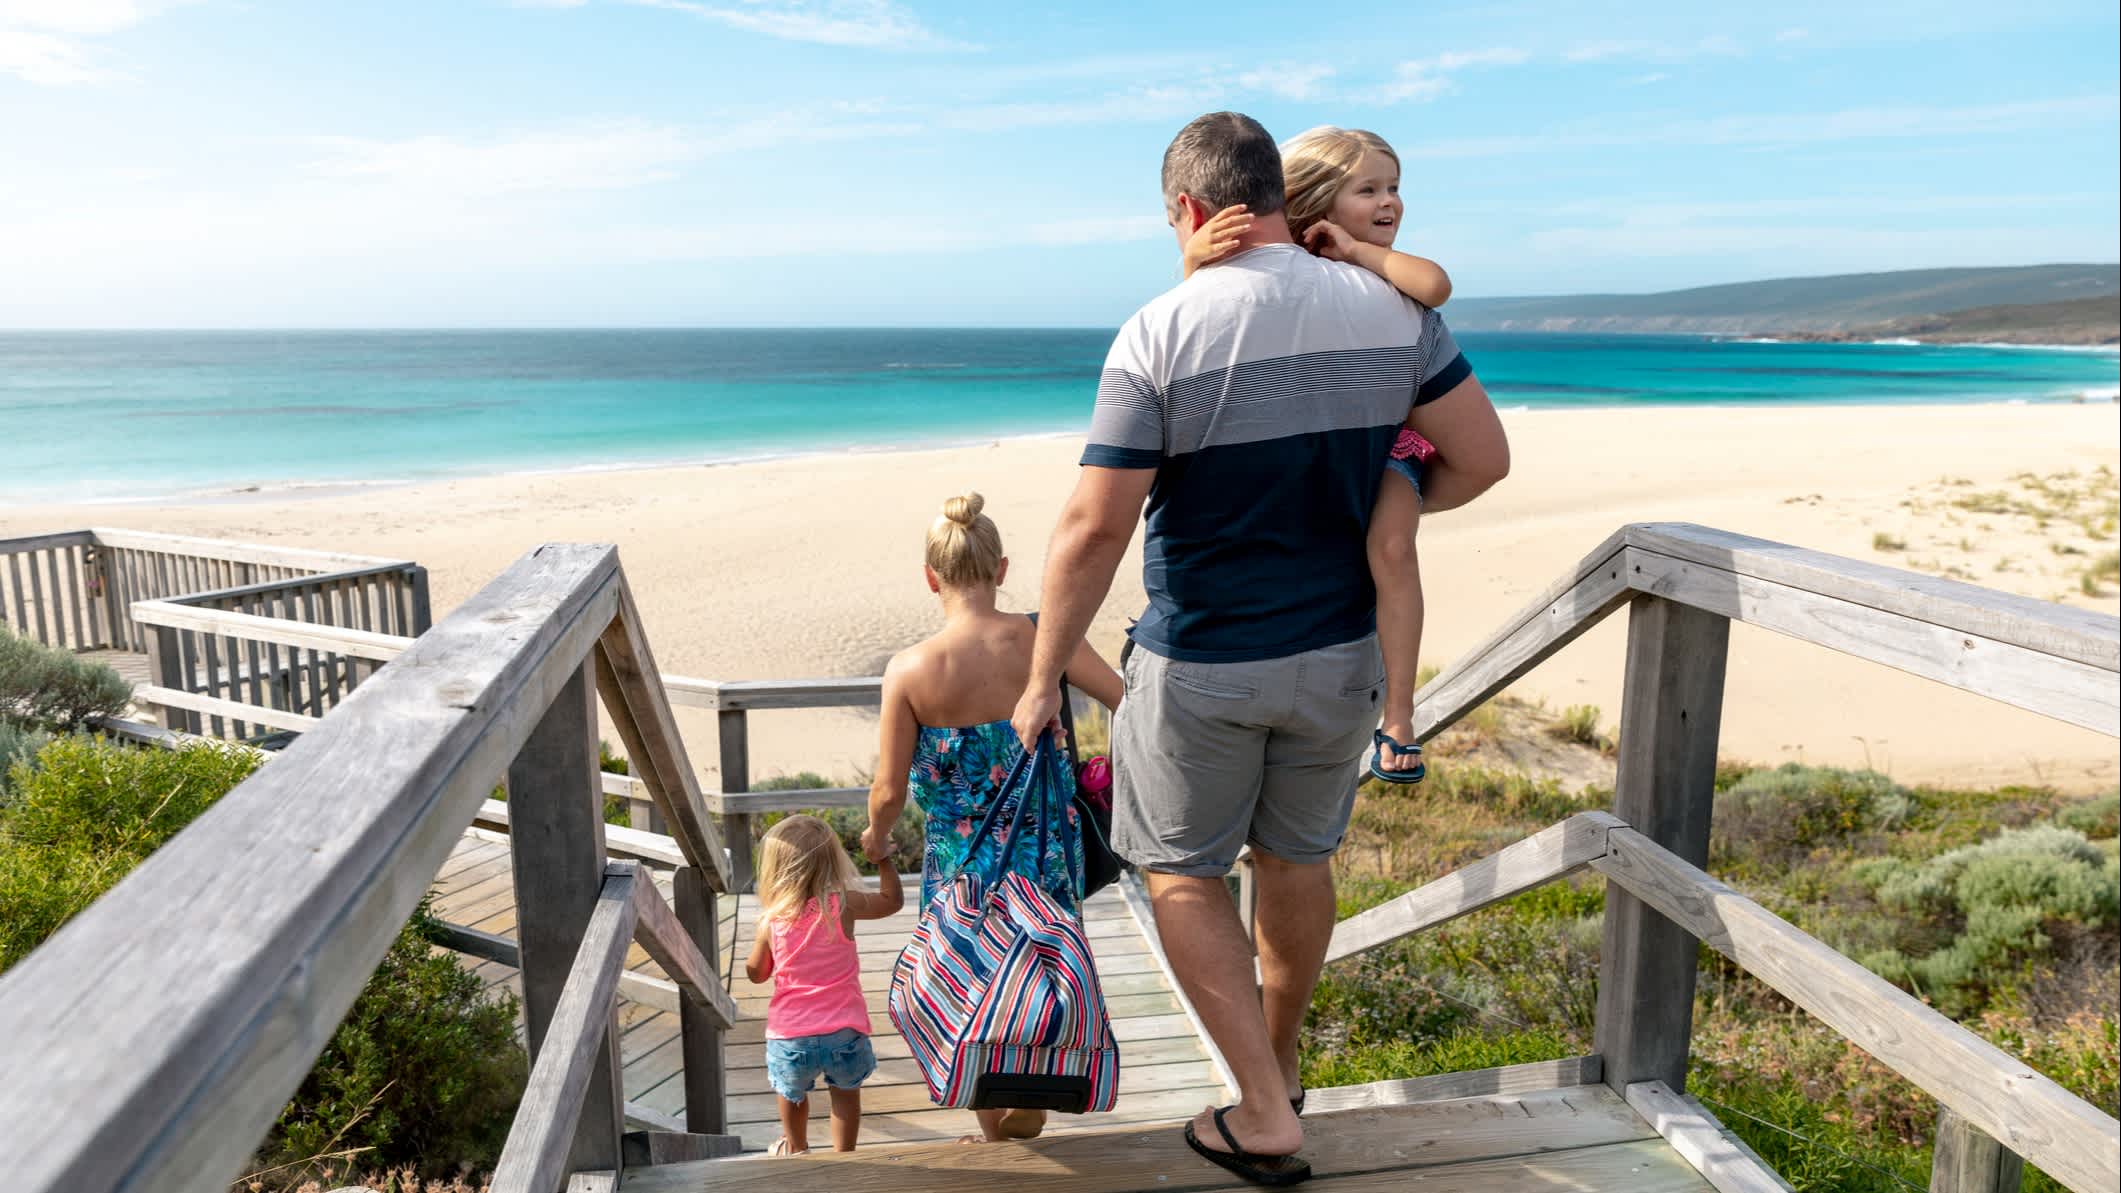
(496,163)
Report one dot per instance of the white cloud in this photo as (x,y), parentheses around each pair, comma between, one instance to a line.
(1289,80)
(1426,78)
(1653,51)
(869,24)
(43,41)
(589,158)
(47,60)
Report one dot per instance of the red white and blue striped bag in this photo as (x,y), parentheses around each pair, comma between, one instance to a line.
(997,995)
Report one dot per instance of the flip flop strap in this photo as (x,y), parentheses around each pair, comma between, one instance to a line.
(1236,1149)
(1384,739)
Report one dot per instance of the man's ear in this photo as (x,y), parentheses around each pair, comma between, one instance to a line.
(1192,213)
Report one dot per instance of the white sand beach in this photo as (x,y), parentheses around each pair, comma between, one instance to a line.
(810,566)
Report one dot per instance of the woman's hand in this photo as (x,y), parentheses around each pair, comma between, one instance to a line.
(876,843)
(1330,240)
(1218,238)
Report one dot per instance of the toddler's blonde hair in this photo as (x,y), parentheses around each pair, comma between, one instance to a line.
(964,547)
(801,859)
(1316,163)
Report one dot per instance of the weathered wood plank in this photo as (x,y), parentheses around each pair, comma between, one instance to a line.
(556,852)
(672,947)
(309,635)
(701,1036)
(298,558)
(1429,1139)
(733,741)
(731,695)
(1442,1087)
(1540,858)
(1671,711)
(2066,689)
(619,841)
(573,1072)
(27,543)
(2029,1114)
(216,706)
(309,867)
(2080,635)
(1551,621)
(632,690)
(1965,1160)
(750,803)
(1719,1156)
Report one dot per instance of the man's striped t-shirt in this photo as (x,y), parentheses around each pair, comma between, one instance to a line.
(1266,392)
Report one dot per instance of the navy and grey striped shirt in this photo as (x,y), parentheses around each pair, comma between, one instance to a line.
(1266,392)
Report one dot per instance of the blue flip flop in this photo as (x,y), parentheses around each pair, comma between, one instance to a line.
(1384,741)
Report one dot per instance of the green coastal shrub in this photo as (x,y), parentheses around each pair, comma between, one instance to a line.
(424,1069)
(2099,819)
(43,687)
(2005,892)
(1782,814)
(17,744)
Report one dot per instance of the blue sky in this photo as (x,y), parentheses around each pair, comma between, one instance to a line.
(220,163)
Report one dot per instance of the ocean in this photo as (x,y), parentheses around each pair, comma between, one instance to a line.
(121,416)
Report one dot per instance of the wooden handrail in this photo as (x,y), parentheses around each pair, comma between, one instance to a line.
(2066,1136)
(153,1038)
(302,558)
(534,1158)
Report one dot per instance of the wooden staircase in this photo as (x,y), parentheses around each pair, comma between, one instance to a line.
(1577,1139)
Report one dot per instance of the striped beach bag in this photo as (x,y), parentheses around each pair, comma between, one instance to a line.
(997,995)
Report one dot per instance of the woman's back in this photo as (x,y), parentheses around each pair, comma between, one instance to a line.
(971,671)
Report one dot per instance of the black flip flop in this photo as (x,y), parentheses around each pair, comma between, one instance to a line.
(1259,1169)
(1384,741)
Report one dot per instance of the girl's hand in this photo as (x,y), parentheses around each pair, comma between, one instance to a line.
(1330,240)
(1218,238)
(877,844)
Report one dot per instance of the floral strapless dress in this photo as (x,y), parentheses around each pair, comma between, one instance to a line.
(955,777)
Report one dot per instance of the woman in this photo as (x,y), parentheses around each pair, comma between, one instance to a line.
(945,737)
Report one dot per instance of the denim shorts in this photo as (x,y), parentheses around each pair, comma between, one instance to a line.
(844,1059)
(1411,469)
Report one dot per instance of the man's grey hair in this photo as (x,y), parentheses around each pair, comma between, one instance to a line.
(1224,158)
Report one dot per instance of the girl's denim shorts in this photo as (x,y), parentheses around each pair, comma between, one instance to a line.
(844,1059)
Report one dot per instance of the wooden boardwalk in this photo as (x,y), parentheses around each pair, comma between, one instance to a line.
(1165,1073)
(1573,1140)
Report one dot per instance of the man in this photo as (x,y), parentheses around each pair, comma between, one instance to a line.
(1252,409)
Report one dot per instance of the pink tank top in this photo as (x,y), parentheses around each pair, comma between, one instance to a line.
(817,976)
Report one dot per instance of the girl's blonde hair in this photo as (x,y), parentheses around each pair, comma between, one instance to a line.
(1315,164)
(964,547)
(801,859)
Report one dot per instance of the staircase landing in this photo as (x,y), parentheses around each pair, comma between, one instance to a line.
(1578,1140)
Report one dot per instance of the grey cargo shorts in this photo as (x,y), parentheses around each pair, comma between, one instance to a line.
(1209,756)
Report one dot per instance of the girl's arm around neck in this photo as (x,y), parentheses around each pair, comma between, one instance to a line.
(1418,278)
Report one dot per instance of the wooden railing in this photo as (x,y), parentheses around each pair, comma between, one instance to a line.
(1683,586)
(152,1040)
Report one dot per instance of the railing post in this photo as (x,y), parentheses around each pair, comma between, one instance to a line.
(169,673)
(556,845)
(736,777)
(706,1088)
(1671,710)
(1967,1161)
(422,612)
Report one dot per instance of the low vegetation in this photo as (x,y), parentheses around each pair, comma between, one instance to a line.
(45,688)
(424,1072)
(1998,907)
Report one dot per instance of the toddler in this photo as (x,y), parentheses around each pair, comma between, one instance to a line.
(817,1024)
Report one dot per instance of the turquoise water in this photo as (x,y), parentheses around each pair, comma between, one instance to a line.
(129,415)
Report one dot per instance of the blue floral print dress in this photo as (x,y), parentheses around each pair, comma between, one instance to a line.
(956,775)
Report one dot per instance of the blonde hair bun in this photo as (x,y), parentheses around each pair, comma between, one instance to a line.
(964,545)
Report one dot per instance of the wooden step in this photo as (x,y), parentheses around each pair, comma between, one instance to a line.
(1578,1139)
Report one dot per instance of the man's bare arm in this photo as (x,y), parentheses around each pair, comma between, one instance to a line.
(1095,527)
